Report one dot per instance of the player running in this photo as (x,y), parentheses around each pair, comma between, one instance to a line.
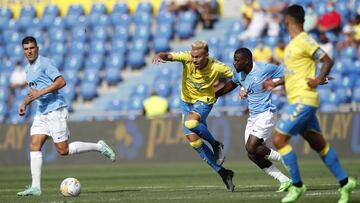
(250,76)
(51,116)
(200,72)
(299,117)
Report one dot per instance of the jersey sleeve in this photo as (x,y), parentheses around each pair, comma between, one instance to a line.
(181,56)
(274,71)
(309,45)
(52,71)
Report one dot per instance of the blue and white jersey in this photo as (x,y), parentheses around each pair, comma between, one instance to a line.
(40,75)
(259,100)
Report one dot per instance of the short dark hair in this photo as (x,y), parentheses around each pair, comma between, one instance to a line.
(29,39)
(244,52)
(297,12)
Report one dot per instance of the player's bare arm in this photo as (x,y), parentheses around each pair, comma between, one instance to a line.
(228,87)
(58,84)
(269,84)
(327,63)
(161,58)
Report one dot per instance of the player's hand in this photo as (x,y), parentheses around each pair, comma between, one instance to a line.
(22,109)
(268,84)
(243,94)
(313,83)
(157,59)
(34,94)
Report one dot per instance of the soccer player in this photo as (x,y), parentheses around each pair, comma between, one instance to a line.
(200,72)
(250,76)
(51,116)
(299,117)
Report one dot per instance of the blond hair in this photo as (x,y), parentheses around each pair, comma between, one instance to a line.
(200,44)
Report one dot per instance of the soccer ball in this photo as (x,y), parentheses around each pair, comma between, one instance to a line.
(70,187)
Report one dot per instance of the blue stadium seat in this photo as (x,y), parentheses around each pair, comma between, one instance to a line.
(135,103)
(12,25)
(232,42)
(37,33)
(236,28)
(99,20)
(175,102)
(227,56)
(99,33)
(142,32)
(349,52)
(165,18)
(161,44)
(27,11)
(97,47)
(58,60)
(143,19)
(162,87)
(88,90)
(51,9)
(73,62)
(76,21)
(121,32)
(140,90)
(91,75)
(164,31)
(79,34)
(144,7)
(331,37)
(98,8)
(121,8)
(71,77)
(112,75)
(140,45)
(4,92)
(356,94)
(328,108)
(94,61)
(5,12)
(116,61)
(271,41)
(120,19)
(59,23)
(188,16)
(12,37)
(57,35)
(15,52)
(184,29)
(136,59)
(75,9)
(58,48)
(118,46)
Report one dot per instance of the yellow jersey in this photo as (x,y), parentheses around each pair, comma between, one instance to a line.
(299,65)
(198,85)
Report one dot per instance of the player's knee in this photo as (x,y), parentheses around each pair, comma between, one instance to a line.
(196,144)
(34,146)
(63,152)
(279,142)
(250,149)
(190,124)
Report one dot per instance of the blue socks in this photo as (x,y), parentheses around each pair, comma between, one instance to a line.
(330,159)
(205,153)
(204,133)
(289,158)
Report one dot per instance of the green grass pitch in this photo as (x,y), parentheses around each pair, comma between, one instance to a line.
(171,182)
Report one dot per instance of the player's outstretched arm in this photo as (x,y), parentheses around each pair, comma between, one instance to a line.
(269,84)
(228,87)
(327,63)
(161,58)
(56,85)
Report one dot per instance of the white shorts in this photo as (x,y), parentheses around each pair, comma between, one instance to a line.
(261,126)
(53,124)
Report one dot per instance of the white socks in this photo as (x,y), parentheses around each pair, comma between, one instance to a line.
(80,147)
(35,166)
(275,173)
(273,156)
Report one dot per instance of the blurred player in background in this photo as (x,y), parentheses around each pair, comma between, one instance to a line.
(200,72)
(250,76)
(299,117)
(45,80)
